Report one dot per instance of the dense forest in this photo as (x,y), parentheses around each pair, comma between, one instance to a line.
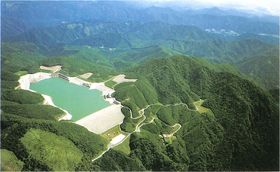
(206,96)
(206,140)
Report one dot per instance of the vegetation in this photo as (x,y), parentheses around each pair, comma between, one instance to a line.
(21,73)
(111,133)
(194,115)
(199,107)
(154,158)
(77,64)
(9,161)
(116,161)
(110,83)
(47,112)
(20,56)
(23,110)
(129,124)
(57,152)
(15,127)
(8,80)
(263,68)
(22,96)
(124,146)
(136,95)
(204,142)
(206,137)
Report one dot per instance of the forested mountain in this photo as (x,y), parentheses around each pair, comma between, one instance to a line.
(222,36)
(209,140)
(206,95)
(185,39)
(34,14)
(116,39)
(263,67)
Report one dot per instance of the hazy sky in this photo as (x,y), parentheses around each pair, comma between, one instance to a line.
(262,6)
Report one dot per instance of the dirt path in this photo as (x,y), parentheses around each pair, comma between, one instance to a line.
(144,123)
(99,156)
(171,134)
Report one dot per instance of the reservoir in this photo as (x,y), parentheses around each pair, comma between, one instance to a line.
(79,101)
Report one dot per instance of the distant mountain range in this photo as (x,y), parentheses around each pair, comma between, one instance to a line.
(223,36)
(34,14)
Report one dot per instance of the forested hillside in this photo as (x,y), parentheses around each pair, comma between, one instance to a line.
(122,44)
(208,139)
(206,96)
(179,132)
(264,68)
(124,36)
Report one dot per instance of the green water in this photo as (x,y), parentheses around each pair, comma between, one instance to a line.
(79,101)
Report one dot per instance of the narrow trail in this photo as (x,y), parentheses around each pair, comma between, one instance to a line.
(108,79)
(171,134)
(99,156)
(142,123)
(131,113)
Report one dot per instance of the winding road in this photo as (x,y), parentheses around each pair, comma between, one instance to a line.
(141,123)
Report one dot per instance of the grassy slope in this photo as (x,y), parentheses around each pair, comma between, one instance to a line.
(47,112)
(9,162)
(110,83)
(124,147)
(111,133)
(14,127)
(22,96)
(56,152)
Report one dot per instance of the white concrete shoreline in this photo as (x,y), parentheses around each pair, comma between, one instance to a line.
(97,122)
(26,80)
(48,101)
